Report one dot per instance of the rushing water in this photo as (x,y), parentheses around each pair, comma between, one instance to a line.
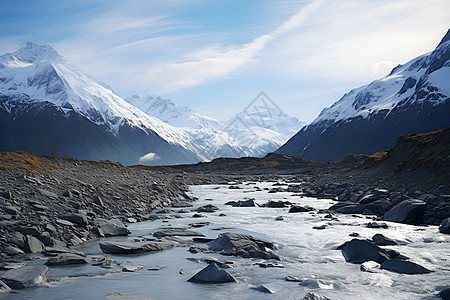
(305,253)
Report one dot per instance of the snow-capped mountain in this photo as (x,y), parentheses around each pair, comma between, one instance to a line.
(414,97)
(245,134)
(40,73)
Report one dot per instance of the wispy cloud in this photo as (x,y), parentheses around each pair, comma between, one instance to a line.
(209,64)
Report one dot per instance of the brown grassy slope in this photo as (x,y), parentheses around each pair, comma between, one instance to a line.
(415,152)
(24,162)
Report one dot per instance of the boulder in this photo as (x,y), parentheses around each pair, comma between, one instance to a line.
(246,203)
(408,211)
(176,232)
(377,225)
(66,259)
(314,296)
(25,277)
(445,294)
(358,251)
(274,204)
(12,251)
(445,226)
(298,208)
(131,248)
(381,240)
(128,266)
(32,244)
(404,267)
(207,208)
(111,227)
(78,219)
(212,274)
(243,245)
(56,250)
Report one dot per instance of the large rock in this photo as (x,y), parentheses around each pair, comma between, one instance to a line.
(131,248)
(78,219)
(445,226)
(25,277)
(445,294)
(358,251)
(404,267)
(243,245)
(212,274)
(207,208)
(56,250)
(299,208)
(408,211)
(66,259)
(381,240)
(32,244)
(176,232)
(111,227)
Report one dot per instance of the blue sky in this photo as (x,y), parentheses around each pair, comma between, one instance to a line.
(216,56)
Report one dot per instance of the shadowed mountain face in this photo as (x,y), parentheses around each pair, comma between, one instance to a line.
(413,98)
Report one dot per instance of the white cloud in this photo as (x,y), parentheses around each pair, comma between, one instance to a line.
(149,157)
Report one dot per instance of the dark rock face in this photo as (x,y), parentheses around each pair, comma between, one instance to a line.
(25,277)
(445,226)
(243,245)
(403,267)
(212,274)
(358,251)
(408,211)
(132,248)
(445,294)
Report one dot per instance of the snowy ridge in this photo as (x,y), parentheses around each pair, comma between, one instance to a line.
(42,73)
(398,86)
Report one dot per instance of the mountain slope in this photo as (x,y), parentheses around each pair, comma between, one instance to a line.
(42,74)
(413,98)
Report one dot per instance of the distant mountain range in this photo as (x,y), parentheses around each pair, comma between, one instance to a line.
(414,97)
(48,106)
(248,133)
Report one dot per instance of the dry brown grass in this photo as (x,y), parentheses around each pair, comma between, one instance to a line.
(24,162)
(374,158)
(127,185)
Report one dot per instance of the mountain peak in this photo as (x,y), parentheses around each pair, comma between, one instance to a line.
(33,53)
(446,38)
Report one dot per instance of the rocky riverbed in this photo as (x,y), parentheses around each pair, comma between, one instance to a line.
(51,206)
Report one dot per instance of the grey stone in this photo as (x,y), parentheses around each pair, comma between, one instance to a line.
(298,208)
(25,277)
(445,294)
(111,227)
(48,194)
(79,219)
(176,232)
(45,238)
(207,208)
(128,266)
(56,250)
(408,211)
(66,259)
(131,248)
(358,251)
(243,245)
(212,274)
(12,251)
(404,267)
(32,245)
(381,240)
(263,289)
